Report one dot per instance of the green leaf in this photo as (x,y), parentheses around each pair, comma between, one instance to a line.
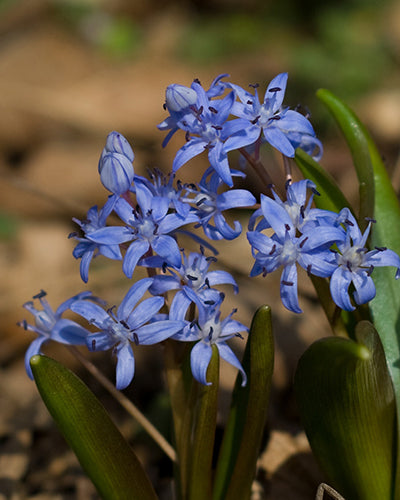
(102,451)
(346,402)
(242,438)
(385,308)
(331,197)
(354,133)
(204,434)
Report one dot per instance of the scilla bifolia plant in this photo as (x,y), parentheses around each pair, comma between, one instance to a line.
(347,386)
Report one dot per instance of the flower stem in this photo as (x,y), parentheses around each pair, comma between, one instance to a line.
(258,167)
(126,404)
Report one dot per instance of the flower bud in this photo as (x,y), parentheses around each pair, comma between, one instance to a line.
(116,143)
(179,97)
(116,172)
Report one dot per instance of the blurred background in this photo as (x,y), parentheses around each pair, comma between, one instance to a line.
(72,71)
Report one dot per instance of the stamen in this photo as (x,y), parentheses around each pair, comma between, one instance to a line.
(287,227)
(191,278)
(93,344)
(309,267)
(381,249)
(301,245)
(40,295)
(213,110)
(135,338)
(370,269)
(272,250)
(287,283)
(275,89)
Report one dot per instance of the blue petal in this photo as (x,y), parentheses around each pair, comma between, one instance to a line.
(92,312)
(134,294)
(228,355)
(125,367)
(144,312)
(179,306)
(200,357)
(32,350)
(289,291)
(191,149)
(159,331)
(279,82)
(223,227)
(111,235)
(364,287)
(219,162)
(277,217)
(292,121)
(339,286)
(278,140)
(235,198)
(168,249)
(221,278)
(100,341)
(135,251)
(85,264)
(163,284)
(67,331)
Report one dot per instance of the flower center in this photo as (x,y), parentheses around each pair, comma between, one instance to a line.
(211,331)
(289,253)
(147,229)
(352,258)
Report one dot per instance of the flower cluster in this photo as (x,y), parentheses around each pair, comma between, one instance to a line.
(323,243)
(142,219)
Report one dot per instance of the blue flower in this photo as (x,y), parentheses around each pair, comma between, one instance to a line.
(149,228)
(132,323)
(87,249)
(115,164)
(355,265)
(209,330)
(193,282)
(162,187)
(281,127)
(49,325)
(208,205)
(208,132)
(286,248)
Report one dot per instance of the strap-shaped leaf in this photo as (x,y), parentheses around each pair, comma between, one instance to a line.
(346,402)
(242,438)
(385,308)
(102,451)
(200,466)
(331,197)
(354,133)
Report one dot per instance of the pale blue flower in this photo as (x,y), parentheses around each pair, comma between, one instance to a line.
(281,127)
(355,265)
(87,249)
(192,282)
(286,248)
(149,228)
(131,323)
(209,330)
(209,205)
(49,325)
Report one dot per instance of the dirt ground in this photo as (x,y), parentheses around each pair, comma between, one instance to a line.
(59,97)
